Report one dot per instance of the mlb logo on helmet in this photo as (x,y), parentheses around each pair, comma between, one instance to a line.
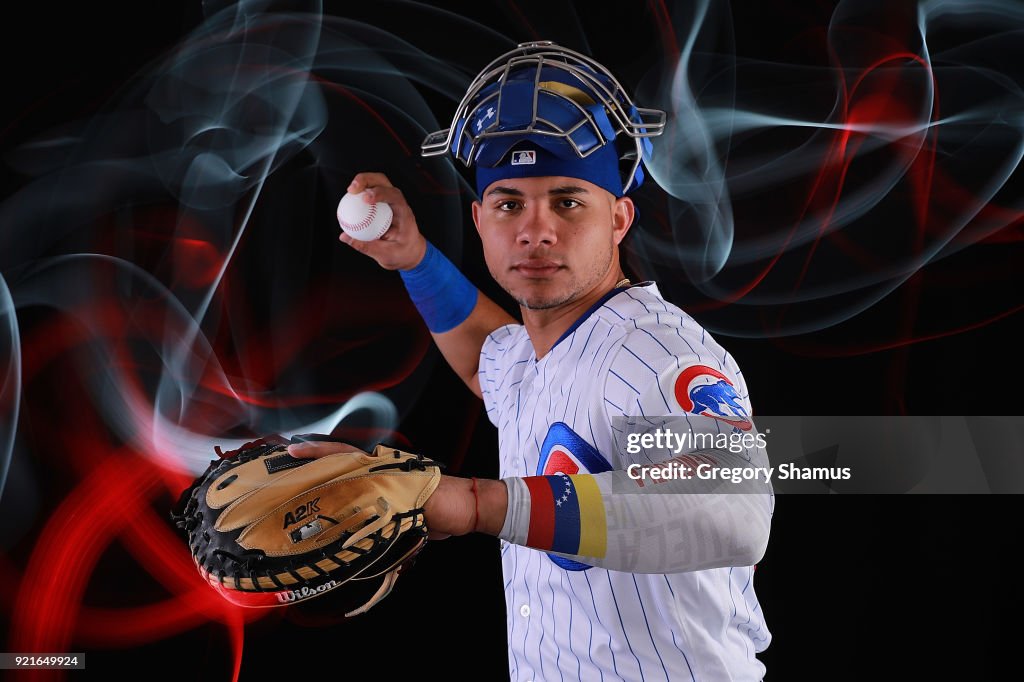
(706,391)
(524,158)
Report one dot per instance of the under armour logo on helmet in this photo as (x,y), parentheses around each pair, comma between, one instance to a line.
(480,123)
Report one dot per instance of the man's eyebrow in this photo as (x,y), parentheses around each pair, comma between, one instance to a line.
(505,190)
(569,189)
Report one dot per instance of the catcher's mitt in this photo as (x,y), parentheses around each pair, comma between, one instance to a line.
(267,529)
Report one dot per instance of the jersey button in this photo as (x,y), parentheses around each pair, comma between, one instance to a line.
(524,611)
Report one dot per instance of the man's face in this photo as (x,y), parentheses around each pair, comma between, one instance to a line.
(549,241)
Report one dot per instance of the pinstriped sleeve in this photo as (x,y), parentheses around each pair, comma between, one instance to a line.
(494,359)
(672,373)
(614,521)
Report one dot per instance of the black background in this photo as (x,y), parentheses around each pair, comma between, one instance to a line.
(858,587)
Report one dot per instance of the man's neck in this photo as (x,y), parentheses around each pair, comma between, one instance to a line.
(545,327)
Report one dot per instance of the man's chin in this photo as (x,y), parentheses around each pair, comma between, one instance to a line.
(542,302)
(530,304)
(542,294)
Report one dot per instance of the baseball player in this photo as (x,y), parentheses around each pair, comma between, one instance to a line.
(609,574)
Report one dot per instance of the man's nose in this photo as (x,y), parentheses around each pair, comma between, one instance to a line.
(539,226)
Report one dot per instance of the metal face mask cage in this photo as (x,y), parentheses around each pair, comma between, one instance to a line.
(552,95)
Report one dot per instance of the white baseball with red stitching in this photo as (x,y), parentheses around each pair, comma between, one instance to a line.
(361,220)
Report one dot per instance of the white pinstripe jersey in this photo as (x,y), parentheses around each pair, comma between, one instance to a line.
(596,624)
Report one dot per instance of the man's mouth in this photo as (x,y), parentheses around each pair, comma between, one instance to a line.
(537,267)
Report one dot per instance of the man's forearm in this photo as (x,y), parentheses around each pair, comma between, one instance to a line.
(683,528)
(461,346)
(455,508)
(615,522)
(458,315)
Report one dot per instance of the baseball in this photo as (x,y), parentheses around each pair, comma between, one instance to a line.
(361,220)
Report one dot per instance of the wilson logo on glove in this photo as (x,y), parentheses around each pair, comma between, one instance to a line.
(305,593)
(364,524)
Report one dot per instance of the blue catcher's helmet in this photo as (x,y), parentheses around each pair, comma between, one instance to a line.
(560,103)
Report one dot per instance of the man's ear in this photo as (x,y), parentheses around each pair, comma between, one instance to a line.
(476,215)
(623,213)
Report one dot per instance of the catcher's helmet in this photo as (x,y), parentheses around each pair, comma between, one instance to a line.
(549,96)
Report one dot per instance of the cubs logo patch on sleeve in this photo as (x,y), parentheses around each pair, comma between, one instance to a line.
(703,390)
